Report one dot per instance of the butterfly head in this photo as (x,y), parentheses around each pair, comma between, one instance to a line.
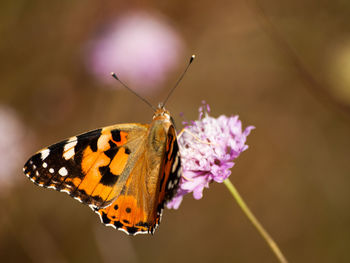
(162,114)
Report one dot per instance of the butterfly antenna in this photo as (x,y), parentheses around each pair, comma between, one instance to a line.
(179,80)
(137,95)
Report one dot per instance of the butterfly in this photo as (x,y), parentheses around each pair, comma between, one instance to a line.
(126,172)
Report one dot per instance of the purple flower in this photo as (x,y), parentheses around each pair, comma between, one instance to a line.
(142,48)
(14,142)
(208,148)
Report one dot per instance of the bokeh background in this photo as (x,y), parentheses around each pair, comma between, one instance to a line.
(283,66)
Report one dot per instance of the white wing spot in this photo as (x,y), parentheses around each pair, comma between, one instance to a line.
(93,207)
(170,185)
(176,162)
(77,198)
(102,142)
(44,165)
(51,170)
(179,173)
(44,154)
(68,151)
(63,171)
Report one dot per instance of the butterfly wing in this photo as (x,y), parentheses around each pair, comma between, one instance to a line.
(171,171)
(91,167)
(152,182)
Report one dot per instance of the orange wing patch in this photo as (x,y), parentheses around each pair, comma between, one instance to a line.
(91,164)
(125,214)
(120,139)
(118,163)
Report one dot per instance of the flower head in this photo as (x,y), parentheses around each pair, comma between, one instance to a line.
(208,148)
(142,48)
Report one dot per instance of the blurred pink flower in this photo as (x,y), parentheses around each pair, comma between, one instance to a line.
(140,48)
(208,149)
(13,146)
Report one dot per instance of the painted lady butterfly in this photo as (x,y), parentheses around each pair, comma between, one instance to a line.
(125,172)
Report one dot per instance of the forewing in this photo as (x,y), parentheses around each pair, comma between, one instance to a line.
(89,167)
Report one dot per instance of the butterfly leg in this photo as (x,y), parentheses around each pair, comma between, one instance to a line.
(180,133)
(193,135)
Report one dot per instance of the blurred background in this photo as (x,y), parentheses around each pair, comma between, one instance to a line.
(283,66)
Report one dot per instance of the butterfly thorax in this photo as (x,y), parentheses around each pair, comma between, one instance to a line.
(158,132)
(159,129)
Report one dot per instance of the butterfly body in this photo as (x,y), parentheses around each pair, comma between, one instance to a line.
(125,172)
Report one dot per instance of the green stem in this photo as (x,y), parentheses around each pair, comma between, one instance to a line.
(275,249)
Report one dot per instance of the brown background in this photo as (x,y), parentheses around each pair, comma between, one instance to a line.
(278,64)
